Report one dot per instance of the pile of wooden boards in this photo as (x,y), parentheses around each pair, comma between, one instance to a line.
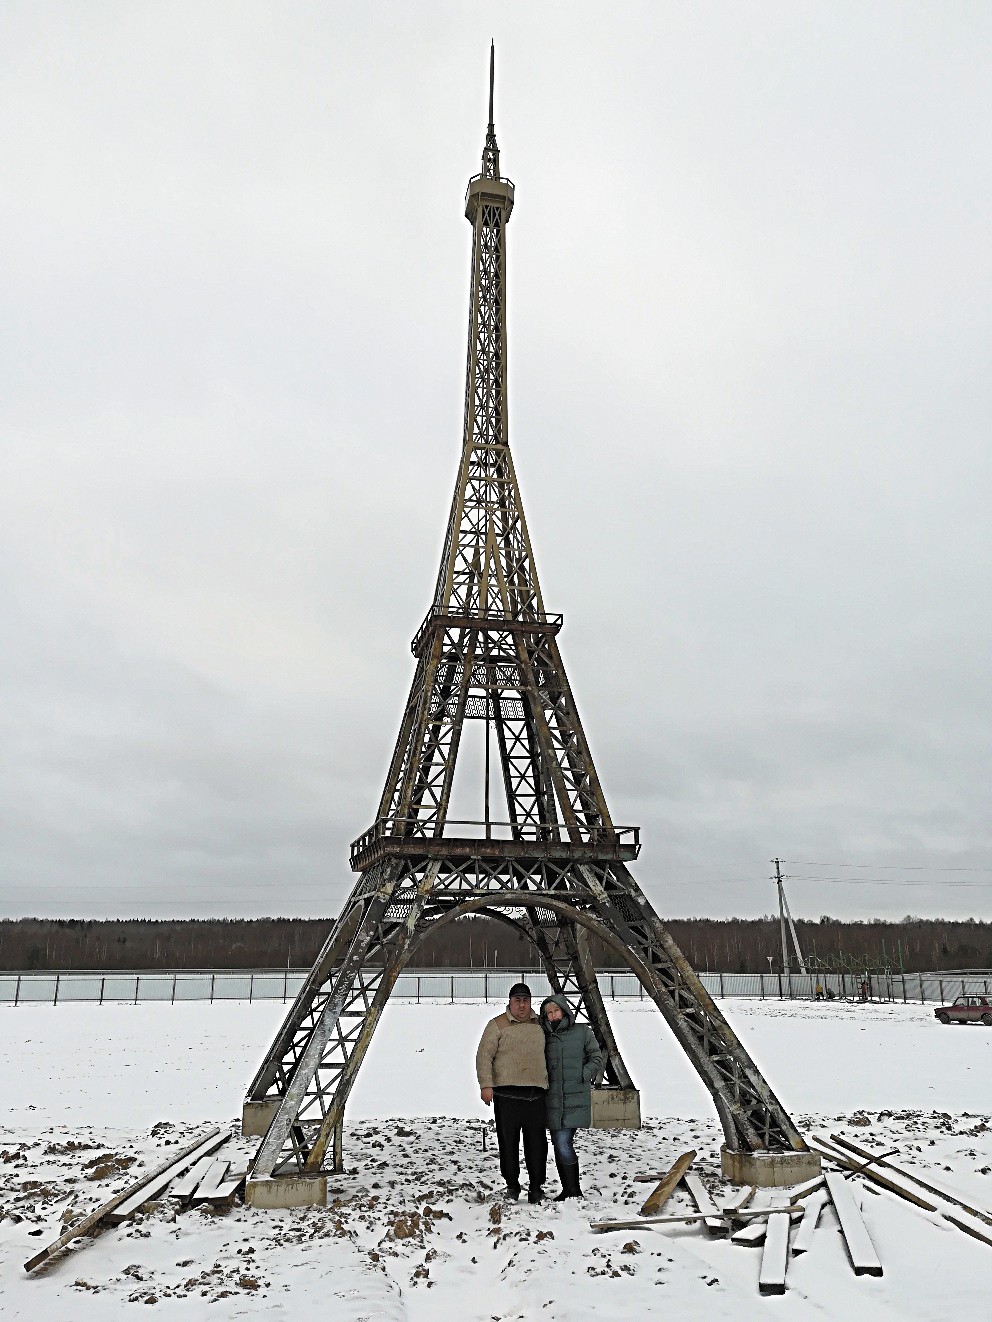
(194,1175)
(771,1225)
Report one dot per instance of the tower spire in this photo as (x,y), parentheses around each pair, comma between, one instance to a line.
(490,153)
(492,80)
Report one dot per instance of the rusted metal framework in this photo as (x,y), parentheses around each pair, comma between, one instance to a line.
(555,865)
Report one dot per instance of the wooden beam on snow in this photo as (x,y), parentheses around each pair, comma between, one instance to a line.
(911,1175)
(174,1166)
(775,1256)
(860,1249)
(214,1178)
(811,1217)
(161,1180)
(657,1199)
(713,1220)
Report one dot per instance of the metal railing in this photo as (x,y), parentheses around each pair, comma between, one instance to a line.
(95,987)
(423,828)
(533,622)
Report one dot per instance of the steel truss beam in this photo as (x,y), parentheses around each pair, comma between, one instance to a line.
(555,868)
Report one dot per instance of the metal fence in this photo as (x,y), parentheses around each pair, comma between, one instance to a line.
(469,985)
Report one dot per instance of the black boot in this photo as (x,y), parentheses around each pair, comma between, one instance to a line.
(562,1176)
(535,1194)
(513,1192)
(569,1182)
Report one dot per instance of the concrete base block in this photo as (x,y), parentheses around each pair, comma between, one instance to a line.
(257,1116)
(309,1191)
(769,1170)
(616,1108)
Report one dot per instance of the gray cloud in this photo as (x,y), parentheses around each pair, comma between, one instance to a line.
(750,406)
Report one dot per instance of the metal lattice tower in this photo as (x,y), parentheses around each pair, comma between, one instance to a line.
(554,868)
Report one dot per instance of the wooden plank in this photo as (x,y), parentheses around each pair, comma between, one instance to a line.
(803,1190)
(876,1177)
(730,1208)
(714,1222)
(657,1199)
(183,1186)
(860,1249)
(815,1204)
(893,1186)
(215,1176)
(176,1163)
(775,1256)
(152,1188)
(751,1234)
(906,1174)
(635,1223)
(971,1230)
(229,1188)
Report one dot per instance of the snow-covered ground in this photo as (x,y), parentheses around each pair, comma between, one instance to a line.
(104,1076)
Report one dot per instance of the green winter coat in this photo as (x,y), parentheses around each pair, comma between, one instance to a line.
(574,1060)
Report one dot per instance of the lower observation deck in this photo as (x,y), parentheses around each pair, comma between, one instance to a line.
(533,623)
(408,838)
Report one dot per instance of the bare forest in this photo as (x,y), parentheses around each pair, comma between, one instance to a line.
(730,945)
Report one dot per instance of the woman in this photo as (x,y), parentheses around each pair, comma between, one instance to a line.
(574,1060)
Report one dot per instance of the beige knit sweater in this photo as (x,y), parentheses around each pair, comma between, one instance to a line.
(511,1054)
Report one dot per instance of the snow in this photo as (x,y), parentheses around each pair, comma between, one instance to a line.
(885,1075)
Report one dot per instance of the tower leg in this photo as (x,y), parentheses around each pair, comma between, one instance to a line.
(616,1072)
(325,1069)
(752,1117)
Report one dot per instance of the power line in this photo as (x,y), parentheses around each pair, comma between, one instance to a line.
(881,867)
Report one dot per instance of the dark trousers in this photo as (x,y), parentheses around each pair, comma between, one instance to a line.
(515,1116)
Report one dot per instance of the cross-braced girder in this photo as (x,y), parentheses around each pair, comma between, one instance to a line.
(555,867)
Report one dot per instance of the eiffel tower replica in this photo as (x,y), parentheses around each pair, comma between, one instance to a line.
(554,868)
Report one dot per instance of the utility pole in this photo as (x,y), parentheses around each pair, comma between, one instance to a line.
(786,924)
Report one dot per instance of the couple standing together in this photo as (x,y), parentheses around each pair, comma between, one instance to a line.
(537,1072)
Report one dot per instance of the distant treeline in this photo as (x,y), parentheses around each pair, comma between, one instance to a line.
(728,945)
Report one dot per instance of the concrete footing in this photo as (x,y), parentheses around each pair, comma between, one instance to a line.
(616,1108)
(293,1191)
(257,1116)
(769,1170)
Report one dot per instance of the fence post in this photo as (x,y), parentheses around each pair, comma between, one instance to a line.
(613,988)
(251,986)
(17,990)
(212,977)
(485,986)
(922,998)
(418,988)
(58,978)
(940,985)
(285,984)
(452,989)
(721,984)
(174,988)
(780,996)
(137,984)
(102,982)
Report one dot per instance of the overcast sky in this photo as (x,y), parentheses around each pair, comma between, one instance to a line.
(749,319)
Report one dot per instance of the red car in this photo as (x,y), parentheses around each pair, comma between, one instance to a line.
(966,1010)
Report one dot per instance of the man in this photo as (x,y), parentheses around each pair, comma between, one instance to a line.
(513,1079)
